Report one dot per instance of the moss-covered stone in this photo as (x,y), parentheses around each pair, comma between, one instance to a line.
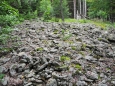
(65,58)
(78,66)
(40,49)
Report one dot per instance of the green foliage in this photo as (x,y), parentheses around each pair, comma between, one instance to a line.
(28,16)
(78,66)
(6,9)
(65,58)
(8,20)
(1,76)
(46,9)
(40,49)
(98,9)
(73,47)
(66,35)
(4,35)
(57,8)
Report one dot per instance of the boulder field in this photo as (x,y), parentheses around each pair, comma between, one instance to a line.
(60,54)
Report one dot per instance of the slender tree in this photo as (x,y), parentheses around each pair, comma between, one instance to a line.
(74,3)
(61,8)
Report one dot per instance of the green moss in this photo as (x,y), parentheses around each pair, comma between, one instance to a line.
(82,21)
(1,76)
(32,53)
(97,57)
(55,31)
(83,46)
(78,66)
(40,49)
(73,47)
(66,37)
(63,67)
(82,53)
(65,58)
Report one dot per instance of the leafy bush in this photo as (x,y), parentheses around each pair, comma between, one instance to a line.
(8,20)
(65,58)
(4,34)
(28,16)
(46,9)
(57,8)
(6,9)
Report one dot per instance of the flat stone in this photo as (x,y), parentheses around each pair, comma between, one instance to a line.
(51,82)
(81,83)
(92,75)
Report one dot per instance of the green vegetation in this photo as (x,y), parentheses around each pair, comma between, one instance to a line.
(83,46)
(65,58)
(78,66)
(66,35)
(40,49)
(1,76)
(73,47)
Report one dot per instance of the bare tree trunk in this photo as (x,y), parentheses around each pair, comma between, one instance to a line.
(85,14)
(61,8)
(80,7)
(74,3)
(83,8)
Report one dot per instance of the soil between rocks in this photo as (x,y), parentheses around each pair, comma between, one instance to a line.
(60,54)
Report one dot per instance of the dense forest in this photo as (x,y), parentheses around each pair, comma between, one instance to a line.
(100,9)
(57,42)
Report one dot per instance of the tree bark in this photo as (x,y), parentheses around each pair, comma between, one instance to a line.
(61,9)
(74,3)
(85,14)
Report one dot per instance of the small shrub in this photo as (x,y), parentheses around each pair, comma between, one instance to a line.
(65,58)
(82,21)
(8,20)
(78,66)
(40,49)
(6,9)
(29,15)
(4,35)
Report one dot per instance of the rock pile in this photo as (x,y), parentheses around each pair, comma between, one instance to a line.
(60,54)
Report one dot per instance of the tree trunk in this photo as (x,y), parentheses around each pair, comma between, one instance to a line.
(74,3)
(85,14)
(61,9)
(83,8)
(79,7)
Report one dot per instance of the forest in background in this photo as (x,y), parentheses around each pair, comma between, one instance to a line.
(15,11)
(48,9)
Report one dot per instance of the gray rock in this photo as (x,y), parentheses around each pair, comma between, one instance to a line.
(23,61)
(31,74)
(4,60)
(92,75)
(113,82)
(5,81)
(102,85)
(13,69)
(51,82)
(111,38)
(21,67)
(3,69)
(29,84)
(90,58)
(81,83)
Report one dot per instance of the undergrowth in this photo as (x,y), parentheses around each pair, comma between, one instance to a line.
(102,24)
